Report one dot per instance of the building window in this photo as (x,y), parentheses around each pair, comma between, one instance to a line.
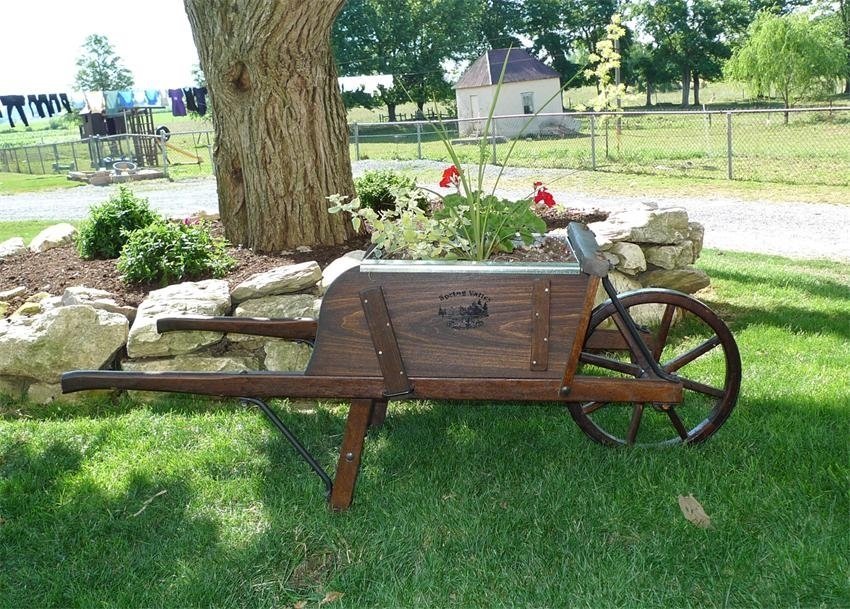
(528,103)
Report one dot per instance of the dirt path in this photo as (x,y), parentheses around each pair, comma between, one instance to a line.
(797,230)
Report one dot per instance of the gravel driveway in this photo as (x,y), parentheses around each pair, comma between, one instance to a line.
(797,230)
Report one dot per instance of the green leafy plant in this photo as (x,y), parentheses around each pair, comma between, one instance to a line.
(165,252)
(104,232)
(379,190)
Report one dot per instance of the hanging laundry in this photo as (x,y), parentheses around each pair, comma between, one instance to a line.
(153,97)
(32,99)
(178,108)
(191,106)
(53,98)
(95,102)
(43,99)
(201,99)
(14,102)
(63,97)
(125,99)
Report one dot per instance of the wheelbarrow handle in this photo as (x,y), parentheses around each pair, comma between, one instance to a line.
(292,329)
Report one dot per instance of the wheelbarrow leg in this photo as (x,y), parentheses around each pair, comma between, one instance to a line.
(379,414)
(359,415)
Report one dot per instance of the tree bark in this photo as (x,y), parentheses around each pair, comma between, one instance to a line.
(281,141)
(391,113)
(696,87)
(686,87)
(648,95)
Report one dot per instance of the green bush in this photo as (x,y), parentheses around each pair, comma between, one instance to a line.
(165,252)
(104,232)
(379,190)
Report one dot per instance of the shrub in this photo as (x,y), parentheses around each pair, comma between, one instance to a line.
(379,190)
(104,232)
(165,252)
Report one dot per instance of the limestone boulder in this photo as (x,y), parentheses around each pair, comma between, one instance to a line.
(9,294)
(338,267)
(286,356)
(202,298)
(53,236)
(274,307)
(688,279)
(66,338)
(44,393)
(628,257)
(658,226)
(282,280)
(99,299)
(696,235)
(12,247)
(12,387)
(187,363)
(670,256)
(4,308)
(622,283)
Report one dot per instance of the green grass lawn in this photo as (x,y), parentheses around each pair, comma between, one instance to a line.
(186,503)
(13,183)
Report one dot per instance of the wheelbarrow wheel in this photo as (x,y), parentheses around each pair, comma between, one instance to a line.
(690,342)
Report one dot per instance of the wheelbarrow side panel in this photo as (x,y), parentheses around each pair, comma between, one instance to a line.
(454,325)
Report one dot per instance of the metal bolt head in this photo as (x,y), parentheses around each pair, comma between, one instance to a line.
(349,457)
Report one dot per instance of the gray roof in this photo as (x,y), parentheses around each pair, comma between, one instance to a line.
(521,66)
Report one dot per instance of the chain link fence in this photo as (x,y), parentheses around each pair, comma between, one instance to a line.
(798,146)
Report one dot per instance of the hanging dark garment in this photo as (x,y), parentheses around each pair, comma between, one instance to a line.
(13,102)
(191,106)
(42,99)
(201,99)
(53,100)
(178,108)
(63,97)
(33,100)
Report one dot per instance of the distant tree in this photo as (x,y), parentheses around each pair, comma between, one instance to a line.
(693,34)
(792,56)
(649,68)
(358,98)
(100,68)
(844,18)
(409,39)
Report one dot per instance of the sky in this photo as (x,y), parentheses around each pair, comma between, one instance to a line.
(41,40)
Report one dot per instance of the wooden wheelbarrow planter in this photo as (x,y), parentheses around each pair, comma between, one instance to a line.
(484,331)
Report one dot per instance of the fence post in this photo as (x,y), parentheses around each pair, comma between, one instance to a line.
(419,141)
(74,156)
(728,145)
(356,142)
(164,155)
(56,158)
(593,142)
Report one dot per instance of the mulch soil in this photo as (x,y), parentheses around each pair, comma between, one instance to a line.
(54,270)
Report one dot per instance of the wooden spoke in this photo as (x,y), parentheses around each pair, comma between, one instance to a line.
(637,414)
(689,356)
(663,330)
(701,388)
(610,364)
(677,422)
(592,407)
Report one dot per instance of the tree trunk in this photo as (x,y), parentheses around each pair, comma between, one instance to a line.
(391,113)
(847,84)
(648,94)
(696,88)
(686,87)
(281,141)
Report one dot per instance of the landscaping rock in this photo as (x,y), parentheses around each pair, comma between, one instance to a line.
(28,309)
(657,226)
(622,283)
(45,393)
(9,294)
(282,280)
(11,247)
(628,257)
(12,387)
(286,356)
(53,236)
(67,338)
(4,307)
(670,256)
(338,267)
(194,363)
(290,306)
(200,298)
(696,235)
(687,279)
(99,299)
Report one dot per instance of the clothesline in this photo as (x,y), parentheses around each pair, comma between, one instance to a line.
(181,101)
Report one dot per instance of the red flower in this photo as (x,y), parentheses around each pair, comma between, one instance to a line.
(451,177)
(541,195)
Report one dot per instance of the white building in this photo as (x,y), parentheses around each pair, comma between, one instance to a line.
(528,86)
